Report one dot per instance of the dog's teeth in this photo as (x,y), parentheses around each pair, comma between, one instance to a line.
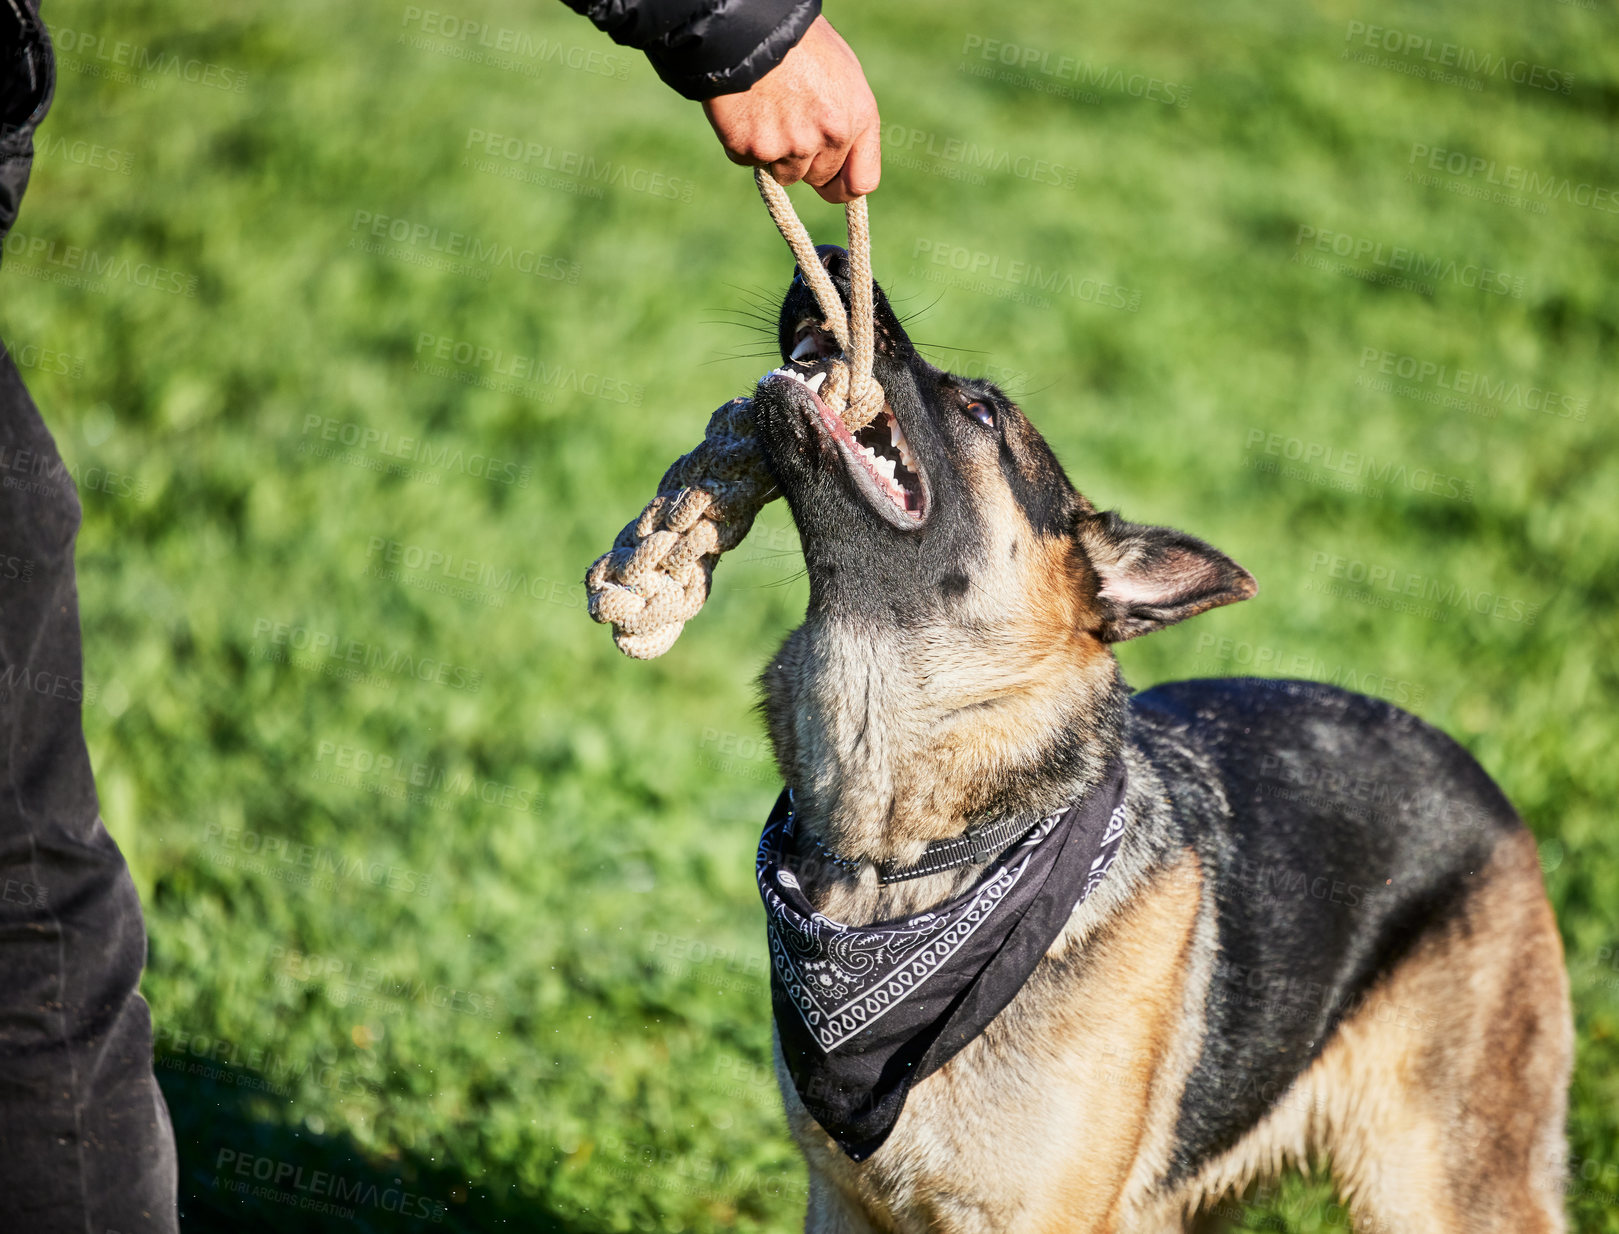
(814,383)
(805,348)
(886,466)
(897,438)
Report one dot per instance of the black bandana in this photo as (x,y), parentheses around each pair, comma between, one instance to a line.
(864,1012)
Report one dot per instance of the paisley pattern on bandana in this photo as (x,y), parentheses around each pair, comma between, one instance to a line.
(843,978)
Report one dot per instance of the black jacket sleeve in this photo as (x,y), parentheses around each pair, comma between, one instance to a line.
(27,77)
(702,48)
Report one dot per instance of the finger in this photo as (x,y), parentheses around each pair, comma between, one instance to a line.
(836,191)
(790,169)
(828,162)
(864,167)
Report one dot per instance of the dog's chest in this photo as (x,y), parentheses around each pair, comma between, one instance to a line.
(1040,1121)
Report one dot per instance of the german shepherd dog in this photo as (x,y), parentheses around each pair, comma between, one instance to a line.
(1324,938)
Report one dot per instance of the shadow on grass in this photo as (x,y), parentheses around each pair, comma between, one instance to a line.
(241,1171)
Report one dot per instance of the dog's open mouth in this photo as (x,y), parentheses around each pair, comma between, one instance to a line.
(878,457)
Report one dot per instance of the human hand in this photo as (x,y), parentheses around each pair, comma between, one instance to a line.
(812,117)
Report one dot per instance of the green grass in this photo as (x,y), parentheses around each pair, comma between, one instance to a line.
(533,992)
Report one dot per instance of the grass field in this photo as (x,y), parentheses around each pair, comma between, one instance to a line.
(410,325)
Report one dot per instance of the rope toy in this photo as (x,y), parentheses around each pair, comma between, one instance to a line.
(658,573)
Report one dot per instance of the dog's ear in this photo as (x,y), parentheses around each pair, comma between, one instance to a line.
(1152,577)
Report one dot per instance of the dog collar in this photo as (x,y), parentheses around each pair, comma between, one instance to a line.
(864,1012)
(969,848)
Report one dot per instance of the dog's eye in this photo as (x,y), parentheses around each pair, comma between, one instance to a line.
(982,412)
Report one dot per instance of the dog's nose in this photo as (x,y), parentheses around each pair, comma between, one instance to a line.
(835,259)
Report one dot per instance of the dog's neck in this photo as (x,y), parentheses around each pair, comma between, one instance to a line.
(891,739)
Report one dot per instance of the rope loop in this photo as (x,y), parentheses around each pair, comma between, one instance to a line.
(657,575)
(854,331)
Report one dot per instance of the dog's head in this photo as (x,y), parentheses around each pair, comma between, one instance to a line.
(957,579)
(950,510)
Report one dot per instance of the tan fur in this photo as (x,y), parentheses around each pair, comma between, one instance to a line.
(1136,1032)
(1152,1162)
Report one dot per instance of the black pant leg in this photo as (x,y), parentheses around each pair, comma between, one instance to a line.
(85,1141)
